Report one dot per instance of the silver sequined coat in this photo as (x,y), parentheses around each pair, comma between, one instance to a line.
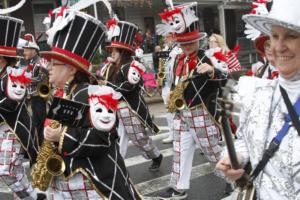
(262,116)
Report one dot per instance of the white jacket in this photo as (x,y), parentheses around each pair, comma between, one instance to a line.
(262,116)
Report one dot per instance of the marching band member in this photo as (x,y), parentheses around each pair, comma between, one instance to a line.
(174,50)
(14,140)
(193,99)
(269,133)
(94,167)
(38,66)
(124,75)
(17,134)
(263,47)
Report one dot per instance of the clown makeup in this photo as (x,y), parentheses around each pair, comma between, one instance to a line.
(102,117)
(15,90)
(133,75)
(190,48)
(177,24)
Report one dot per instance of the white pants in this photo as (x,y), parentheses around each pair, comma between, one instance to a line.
(192,128)
(170,116)
(170,121)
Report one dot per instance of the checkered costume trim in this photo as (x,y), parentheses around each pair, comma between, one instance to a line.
(12,172)
(205,133)
(136,131)
(77,187)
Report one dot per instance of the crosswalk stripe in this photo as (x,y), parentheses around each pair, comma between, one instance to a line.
(136,160)
(161,183)
(154,137)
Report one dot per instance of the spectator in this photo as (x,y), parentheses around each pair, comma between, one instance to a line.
(217,41)
(149,42)
(155,58)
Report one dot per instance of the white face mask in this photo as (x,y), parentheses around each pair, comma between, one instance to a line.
(133,75)
(15,90)
(102,118)
(177,25)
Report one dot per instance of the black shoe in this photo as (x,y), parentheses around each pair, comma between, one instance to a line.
(41,196)
(228,189)
(171,194)
(156,162)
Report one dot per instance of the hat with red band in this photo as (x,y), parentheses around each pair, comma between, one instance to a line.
(121,35)
(10,29)
(77,41)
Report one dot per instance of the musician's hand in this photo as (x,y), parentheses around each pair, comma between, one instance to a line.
(205,68)
(52,135)
(225,166)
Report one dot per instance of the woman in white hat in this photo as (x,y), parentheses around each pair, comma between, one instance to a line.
(265,116)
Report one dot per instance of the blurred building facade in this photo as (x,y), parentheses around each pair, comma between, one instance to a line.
(218,16)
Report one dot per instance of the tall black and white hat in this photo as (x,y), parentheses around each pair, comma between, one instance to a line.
(121,34)
(10,29)
(76,39)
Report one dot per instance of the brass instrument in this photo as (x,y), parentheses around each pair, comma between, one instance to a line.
(43,90)
(176,100)
(161,75)
(48,164)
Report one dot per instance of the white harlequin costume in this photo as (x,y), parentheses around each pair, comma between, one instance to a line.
(195,125)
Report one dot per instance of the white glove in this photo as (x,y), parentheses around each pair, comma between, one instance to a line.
(251,32)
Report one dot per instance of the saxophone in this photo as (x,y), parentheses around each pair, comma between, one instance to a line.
(161,75)
(48,163)
(176,100)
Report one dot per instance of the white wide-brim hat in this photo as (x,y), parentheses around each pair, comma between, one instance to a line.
(284,13)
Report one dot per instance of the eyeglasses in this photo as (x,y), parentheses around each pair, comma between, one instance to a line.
(55,63)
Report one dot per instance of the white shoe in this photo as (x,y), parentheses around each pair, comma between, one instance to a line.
(168,140)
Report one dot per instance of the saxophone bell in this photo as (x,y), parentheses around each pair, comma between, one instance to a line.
(55,165)
(43,90)
(179,104)
(161,75)
(160,78)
